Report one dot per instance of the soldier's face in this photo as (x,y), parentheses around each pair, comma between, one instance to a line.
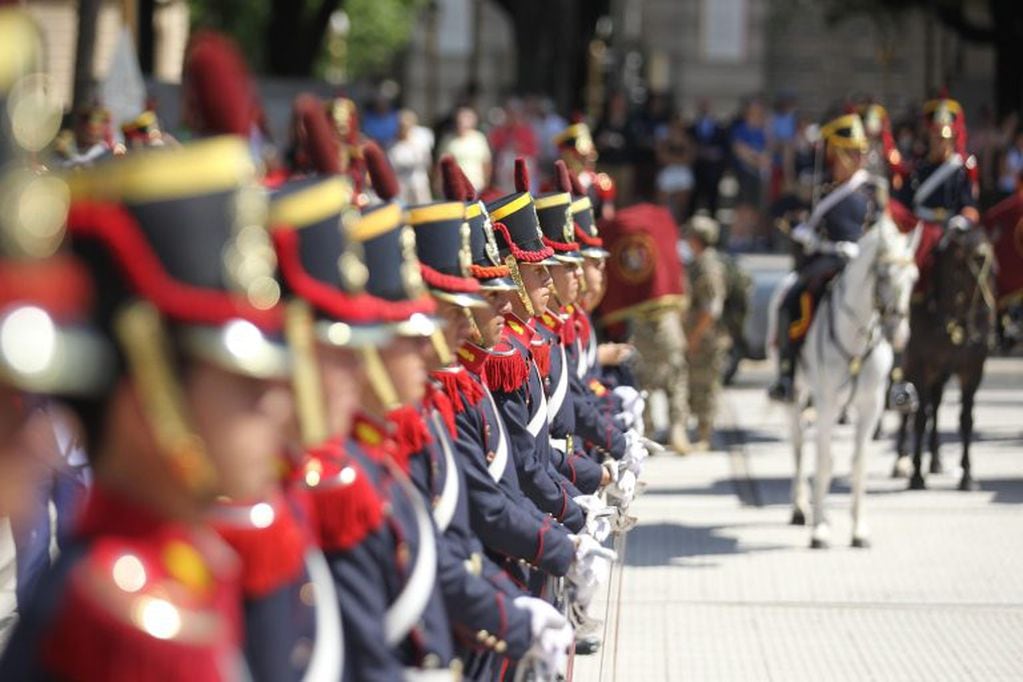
(244,423)
(566,282)
(491,320)
(593,271)
(339,372)
(456,328)
(537,281)
(404,359)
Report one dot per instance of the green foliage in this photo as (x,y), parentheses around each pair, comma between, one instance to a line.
(243,20)
(379,29)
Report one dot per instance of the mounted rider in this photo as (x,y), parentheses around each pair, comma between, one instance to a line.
(828,238)
(941,191)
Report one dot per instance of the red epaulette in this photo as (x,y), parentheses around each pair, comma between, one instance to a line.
(458,385)
(437,399)
(505,369)
(149,600)
(347,506)
(410,434)
(267,538)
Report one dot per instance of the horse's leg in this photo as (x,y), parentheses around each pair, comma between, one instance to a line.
(934,444)
(799,492)
(968,381)
(901,467)
(868,415)
(827,415)
(916,481)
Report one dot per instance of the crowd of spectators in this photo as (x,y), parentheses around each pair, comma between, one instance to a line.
(762,155)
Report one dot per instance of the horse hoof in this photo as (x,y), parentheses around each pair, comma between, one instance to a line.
(917,483)
(798,518)
(901,468)
(936,466)
(818,543)
(861,543)
(968,484)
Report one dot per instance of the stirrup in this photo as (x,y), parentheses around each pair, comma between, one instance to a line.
(903,398)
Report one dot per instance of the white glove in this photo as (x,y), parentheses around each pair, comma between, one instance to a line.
(635,453)
(847,250)
(805,235)
(628,418)
(960,223)
(592,566)
(598,516)
(621,492)
(552,636)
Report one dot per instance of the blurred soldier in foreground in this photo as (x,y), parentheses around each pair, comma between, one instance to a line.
(705,338)
(147,590)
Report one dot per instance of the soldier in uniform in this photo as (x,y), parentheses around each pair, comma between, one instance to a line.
(487,612)
(940,192)
(705,339)
(146,591)
(519,394)
(828,237)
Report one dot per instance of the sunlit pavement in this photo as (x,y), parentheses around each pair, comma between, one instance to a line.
(717,586)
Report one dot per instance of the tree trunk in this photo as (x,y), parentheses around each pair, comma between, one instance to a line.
(1007,18)
(85,55)
(146,40)
(293,44)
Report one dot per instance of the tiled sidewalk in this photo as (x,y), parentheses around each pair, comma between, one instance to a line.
(717,586)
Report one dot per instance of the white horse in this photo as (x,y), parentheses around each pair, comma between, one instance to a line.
(845,362)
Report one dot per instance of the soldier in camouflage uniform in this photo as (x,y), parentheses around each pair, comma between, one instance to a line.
(703,325)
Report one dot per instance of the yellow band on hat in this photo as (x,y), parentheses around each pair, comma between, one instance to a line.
(449,210)
(952,105)
(580,205)
(312,204)
(857,138)
(376,223)
(559,199)
(572,131)
(217,164)
(511,207)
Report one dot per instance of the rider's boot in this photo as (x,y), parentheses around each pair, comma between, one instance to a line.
(902,395)
(783,388)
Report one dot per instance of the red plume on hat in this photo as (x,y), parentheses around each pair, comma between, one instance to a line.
(577,185)
(219,95)
(451,179)
(317,148)
(564,179)
(521,175)
(380,173)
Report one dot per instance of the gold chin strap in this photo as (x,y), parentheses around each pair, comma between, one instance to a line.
(142,337)
(305,377)
(441,348)
(475,335)
(379,379)
(513,268)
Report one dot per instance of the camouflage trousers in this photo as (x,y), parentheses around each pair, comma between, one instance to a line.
(705,364)
(661,362)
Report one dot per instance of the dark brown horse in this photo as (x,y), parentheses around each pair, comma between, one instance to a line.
(952,331)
